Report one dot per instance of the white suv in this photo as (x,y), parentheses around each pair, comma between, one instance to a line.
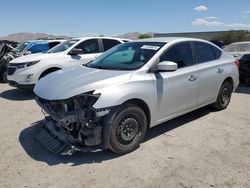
(25,71)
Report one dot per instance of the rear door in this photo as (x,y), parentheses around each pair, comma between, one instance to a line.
(177,91)
(210,71)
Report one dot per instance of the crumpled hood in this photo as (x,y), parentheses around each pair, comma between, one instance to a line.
(67,83)
(33,57)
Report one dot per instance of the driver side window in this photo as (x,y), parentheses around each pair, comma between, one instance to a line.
(180,54)
(89,46)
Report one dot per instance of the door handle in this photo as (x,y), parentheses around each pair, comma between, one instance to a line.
(220,70)
(192,78)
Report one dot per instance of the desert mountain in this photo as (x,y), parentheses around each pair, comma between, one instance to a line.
(20,37)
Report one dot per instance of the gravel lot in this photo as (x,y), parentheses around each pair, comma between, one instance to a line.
(204,148)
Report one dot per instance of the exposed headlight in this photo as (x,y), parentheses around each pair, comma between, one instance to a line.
(32,63)
(88,99)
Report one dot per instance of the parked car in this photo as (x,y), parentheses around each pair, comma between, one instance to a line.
(5,47)
(24,72)
(112,101)
(241,51)
(25,48)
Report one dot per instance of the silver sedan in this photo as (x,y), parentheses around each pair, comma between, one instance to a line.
(112,101)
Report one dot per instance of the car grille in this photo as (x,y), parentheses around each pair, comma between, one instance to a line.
(11,70)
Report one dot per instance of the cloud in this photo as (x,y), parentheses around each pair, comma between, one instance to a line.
(201,8)
(211,18)
(246,12)
(212,22)
(237,25)
(206,22)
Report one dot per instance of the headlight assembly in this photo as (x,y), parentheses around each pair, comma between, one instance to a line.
(32,63)
(20,65)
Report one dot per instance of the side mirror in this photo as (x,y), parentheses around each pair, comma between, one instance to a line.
(167,66)
(76,51)
(27,53)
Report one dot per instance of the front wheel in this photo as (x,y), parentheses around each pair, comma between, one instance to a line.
(128,129)
(224,96)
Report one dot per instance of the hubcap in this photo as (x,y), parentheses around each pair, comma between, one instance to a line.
(127,130)
(225,96)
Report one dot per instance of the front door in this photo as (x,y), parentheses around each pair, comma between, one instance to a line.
(177,91)
(91,50)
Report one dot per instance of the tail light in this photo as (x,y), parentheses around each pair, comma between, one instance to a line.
(237,63)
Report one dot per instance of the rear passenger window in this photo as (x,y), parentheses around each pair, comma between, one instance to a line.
(53,44)
(217,52)
(180,54)
(204,52)
(109,43)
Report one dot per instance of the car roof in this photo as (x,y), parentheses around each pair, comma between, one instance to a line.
(169,39)
(56,40)
(245,42)
(37,41)
(44,41)
(85,38)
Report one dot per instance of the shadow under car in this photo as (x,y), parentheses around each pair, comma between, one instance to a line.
(35,150)
(17,94)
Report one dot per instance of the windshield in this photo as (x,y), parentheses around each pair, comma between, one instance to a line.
(63,46)
(127,56)
(238,47)
(21,47)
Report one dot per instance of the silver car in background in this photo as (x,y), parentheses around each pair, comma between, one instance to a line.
(112,101)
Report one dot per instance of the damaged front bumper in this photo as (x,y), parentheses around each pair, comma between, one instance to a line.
(74,125)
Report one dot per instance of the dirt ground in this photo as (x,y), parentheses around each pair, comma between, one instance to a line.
(204,148)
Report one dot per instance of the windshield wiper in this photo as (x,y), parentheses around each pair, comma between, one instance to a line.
(101,67)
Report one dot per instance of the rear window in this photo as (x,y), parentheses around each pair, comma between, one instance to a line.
(204,52)
(109,43)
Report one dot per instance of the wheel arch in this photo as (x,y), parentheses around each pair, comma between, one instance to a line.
(48,70)
(143,105)
(229,79)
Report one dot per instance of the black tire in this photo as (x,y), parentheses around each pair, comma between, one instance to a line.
(247,82)
(4,77)
(224,96)
(128,129)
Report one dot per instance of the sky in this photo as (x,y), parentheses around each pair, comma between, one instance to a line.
(115,17)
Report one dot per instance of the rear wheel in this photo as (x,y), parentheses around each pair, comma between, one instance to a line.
(247,81)
(4,77)
(128,129)
(224,96)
